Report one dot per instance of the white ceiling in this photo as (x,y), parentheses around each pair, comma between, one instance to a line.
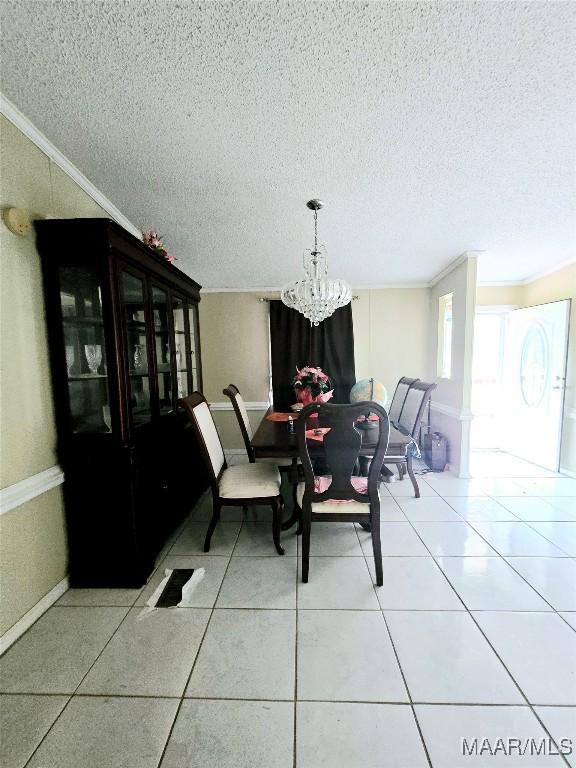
(428,128)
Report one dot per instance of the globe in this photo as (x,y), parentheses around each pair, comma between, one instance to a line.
(369,389)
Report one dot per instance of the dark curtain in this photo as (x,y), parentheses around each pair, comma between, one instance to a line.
(296,343)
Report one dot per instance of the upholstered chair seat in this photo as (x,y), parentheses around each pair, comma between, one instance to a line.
(342,506)
(245,481)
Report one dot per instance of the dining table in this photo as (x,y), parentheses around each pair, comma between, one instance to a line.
(274,439)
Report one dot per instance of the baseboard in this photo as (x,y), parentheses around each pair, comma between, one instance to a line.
(29,618)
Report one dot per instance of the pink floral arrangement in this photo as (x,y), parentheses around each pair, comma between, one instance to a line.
(312,385)
(153,240)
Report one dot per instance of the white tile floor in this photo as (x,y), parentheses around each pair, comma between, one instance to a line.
(472,635)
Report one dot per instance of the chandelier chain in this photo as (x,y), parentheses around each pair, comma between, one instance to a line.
(315,233)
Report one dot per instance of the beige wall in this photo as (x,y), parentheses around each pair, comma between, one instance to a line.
(235,345)
(391,334)
(499,295)
(234,332)
(554,287)
(235,350)
(33,556)
(452,397)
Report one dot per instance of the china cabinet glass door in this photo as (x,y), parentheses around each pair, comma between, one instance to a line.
(81,304)
(194,356)
(179,313)
(137,348)
(160,311)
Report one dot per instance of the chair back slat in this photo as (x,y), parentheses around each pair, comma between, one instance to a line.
(199,413)
(341,448)
(400,393)
(241,412)
(414,405)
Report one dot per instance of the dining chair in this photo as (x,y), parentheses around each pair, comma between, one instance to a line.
(287,466)
(341,496)
(239,406)
(402,388)
(415,402)
(238,486)
(409,421)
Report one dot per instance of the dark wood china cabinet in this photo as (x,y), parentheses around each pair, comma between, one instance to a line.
(124,346)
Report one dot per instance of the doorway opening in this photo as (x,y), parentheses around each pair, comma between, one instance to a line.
(518,383)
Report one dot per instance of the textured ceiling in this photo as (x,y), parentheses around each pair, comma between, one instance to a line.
(429,128)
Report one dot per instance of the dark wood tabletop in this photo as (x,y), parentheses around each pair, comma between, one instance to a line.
(272,439)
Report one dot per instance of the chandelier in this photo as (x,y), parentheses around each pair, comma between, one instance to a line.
(316,296)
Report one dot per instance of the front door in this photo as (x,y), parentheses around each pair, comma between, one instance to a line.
(534,382)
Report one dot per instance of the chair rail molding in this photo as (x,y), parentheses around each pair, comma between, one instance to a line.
(254,406)
(463,414)
(24,490)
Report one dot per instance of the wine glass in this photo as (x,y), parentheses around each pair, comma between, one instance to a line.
(93,356)
(106,417)
(138,358)
(69,358)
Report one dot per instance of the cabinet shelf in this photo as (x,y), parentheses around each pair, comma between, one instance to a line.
(88,376)
(95,322)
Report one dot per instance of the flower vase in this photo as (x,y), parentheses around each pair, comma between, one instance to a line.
(303,395)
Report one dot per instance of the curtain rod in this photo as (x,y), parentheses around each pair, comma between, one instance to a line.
(353,299)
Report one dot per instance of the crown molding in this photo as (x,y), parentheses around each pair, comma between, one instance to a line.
(373,287)
(240,290)
(452,266)
(527,280)
(13,114)
(550,271)
(15,495)
(389,286)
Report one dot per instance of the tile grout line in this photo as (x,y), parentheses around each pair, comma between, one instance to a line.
(187,683)
(74,693)
(514,522)
(80,683)
(504,558)
(411,703)
(294,746)
(388,702)
(488,641)
(168,552)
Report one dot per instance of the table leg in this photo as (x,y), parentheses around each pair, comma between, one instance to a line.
(295,517)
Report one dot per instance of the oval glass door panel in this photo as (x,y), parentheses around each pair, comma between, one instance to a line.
(534,366)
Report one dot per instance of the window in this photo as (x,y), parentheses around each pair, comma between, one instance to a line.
(444,362)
